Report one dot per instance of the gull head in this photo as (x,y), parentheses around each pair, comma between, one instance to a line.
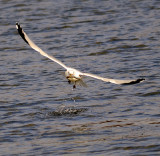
(71,72)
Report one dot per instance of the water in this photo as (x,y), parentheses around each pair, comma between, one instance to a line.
(40,114)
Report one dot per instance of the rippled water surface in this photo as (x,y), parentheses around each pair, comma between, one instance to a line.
(40,113)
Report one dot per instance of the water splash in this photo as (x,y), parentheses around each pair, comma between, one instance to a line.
(66,110)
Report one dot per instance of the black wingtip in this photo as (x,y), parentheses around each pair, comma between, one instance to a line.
(18,26)
(21,32)
(139,80)
(17,23)
(134,82)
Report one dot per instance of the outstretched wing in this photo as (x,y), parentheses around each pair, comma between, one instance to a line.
(116,81)
(35,47)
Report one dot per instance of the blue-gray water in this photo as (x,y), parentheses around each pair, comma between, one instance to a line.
(111,38)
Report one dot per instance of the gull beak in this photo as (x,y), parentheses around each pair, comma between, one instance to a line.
(71,75)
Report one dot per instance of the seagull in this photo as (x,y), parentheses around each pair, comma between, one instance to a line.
(73,76)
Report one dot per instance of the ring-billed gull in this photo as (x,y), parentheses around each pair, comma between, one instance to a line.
(73,75)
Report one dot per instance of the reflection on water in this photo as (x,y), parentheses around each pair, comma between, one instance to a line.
(41,114)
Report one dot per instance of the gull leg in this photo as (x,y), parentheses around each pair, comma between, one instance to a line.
(74,86)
